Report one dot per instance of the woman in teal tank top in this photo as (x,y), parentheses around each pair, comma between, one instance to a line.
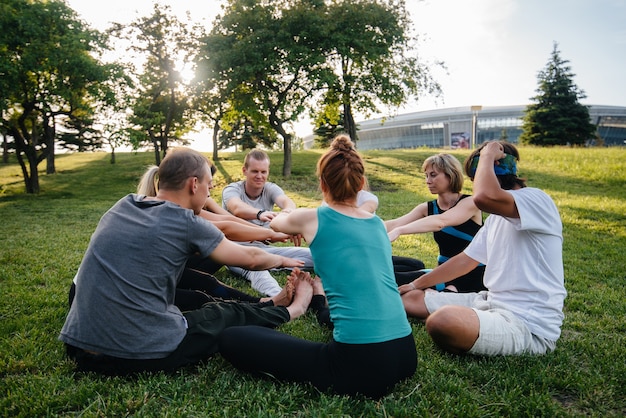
(372,347)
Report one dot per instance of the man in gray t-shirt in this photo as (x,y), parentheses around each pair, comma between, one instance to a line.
(254,199)
(123,318)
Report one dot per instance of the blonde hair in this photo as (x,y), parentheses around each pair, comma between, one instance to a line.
(450,166)
(178,165)
(148,184)
(255,154)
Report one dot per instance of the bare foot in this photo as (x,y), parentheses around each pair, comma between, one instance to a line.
(318,289)
(285,297)
(304,292)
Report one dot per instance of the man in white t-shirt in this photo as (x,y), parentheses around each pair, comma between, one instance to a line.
(254,200)
(521,245)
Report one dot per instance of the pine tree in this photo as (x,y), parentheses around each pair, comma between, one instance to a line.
(557,118)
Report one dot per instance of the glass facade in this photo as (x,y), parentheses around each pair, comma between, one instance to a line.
(612,129)
(453,127)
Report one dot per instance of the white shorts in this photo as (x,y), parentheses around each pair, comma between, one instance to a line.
(501,331)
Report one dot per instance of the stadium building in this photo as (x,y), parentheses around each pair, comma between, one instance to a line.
(463,127)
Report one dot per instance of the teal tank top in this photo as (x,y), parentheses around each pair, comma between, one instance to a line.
(352,256)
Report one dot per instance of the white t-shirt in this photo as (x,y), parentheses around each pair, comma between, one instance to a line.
(265,201)
(524,259)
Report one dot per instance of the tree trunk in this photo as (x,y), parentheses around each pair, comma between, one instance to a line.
(157,151)
(31,180)
(34,174)
(287,155)
(348,122)
(277,125)
(216,130)
(50,164)
(49,134)
(5,149)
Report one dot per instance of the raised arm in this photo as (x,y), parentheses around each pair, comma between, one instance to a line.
(488,195)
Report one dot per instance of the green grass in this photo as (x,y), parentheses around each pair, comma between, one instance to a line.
(43,238)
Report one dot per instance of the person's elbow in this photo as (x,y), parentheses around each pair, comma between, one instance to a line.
(439,224)
(255,259)
(484,201)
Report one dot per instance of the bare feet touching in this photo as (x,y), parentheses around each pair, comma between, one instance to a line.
(303,293)
(285,297)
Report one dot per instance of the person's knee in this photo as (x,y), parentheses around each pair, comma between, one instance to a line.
(453,329)
(414,304)
(440,321)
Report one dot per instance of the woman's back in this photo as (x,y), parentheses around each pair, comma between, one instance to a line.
(353,258)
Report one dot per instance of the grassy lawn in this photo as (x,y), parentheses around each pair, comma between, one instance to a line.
(43,238)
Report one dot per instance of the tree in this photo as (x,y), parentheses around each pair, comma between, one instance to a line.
(49,74)
(328,121)
(161,103)
(372,53)
(211,94)
(557,118)
(278,57)
(271,55)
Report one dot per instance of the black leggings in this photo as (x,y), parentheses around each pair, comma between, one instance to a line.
(319,306)
(195,288)
(406,269)
(200,343)
(368,369)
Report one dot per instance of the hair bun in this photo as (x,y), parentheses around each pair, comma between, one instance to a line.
(342,143)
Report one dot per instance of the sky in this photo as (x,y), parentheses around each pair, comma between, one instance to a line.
(493,49)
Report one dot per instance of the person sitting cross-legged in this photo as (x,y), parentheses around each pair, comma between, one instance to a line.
(521,245)
(253,200)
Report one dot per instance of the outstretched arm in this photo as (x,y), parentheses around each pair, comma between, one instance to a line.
(237,229)
(463,211)
(455,267)
(299,222)
(212,206)
(418,212)
(241,209)
(251,258)
(285,203)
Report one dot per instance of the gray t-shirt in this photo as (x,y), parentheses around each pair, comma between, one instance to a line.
(265,201)
(125,286)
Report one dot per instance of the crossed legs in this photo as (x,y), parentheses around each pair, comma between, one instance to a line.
(453,328)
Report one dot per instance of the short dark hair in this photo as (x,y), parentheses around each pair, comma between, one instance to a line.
(507,181)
